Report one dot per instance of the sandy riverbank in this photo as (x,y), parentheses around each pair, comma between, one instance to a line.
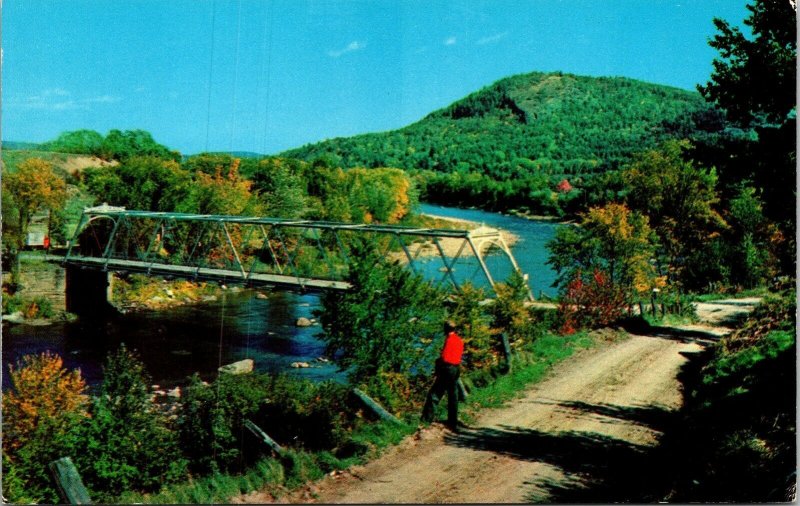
(452,246)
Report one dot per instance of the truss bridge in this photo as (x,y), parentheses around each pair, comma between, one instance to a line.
(295,254)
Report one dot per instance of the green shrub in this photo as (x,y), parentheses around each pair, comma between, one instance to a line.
(294,412)
(210,424)
(129,443)
(12,303)
(36,307)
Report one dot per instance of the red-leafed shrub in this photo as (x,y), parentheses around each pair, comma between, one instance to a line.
(590,301)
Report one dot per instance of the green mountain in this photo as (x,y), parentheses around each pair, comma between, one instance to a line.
(14,145)
(539,123)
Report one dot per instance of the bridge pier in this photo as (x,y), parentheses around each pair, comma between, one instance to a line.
(88,291)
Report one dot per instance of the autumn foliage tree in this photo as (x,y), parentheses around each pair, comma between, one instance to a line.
(42,414)
(32,188)
(605,263)
(678,199)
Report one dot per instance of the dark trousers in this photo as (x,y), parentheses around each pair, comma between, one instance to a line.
(446,381)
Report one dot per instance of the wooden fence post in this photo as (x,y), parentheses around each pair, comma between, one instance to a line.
(506,350)
(462,390)
(69,482)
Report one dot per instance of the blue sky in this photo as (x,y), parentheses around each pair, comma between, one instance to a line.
(265,76)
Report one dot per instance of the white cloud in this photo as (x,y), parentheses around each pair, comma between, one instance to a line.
(353,46)
(492,38)
(450,41)
(56,92)
(102,99)
(58,99)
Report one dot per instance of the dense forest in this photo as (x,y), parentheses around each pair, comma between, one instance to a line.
(510,144)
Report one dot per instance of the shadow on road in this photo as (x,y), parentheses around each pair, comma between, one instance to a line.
(597,467)
(641,327)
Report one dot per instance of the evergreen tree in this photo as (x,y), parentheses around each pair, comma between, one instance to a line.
(128,442)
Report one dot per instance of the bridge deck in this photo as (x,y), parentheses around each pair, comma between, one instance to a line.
(209,274)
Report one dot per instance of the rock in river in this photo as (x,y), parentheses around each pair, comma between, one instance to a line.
(241,367)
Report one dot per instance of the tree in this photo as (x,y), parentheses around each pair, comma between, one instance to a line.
(280,185)
(35,187)
(32,188)
(42,415)
(381,324)
(128,443)
(677,197)
(119,145)
(141,183)
(610,239)
(86,142)
(221,193)
(754,79)
(752,239)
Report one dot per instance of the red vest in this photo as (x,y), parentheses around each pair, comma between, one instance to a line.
(453,349)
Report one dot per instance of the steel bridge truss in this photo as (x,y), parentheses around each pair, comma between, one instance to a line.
(302,254)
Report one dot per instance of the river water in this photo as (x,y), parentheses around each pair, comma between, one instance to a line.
(198,338)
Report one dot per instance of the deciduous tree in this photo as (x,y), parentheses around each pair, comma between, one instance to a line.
(32,188)
(677,197)
(754,81)
(754,78)
(42,415)
(613,240)
(381,324)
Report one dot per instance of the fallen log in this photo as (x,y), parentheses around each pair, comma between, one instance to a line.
(375,407)
(263,436)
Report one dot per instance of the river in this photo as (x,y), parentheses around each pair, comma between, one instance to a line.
(198,338)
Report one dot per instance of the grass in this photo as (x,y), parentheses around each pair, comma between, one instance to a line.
(267,474)
(12,158)
(762,291)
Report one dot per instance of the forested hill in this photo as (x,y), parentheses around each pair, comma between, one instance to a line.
(553,123)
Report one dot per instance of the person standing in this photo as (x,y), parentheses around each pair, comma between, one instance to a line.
(448,367)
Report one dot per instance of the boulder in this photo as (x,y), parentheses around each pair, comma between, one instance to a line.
(300,365)
(304,322)
(241,367)
(15,317)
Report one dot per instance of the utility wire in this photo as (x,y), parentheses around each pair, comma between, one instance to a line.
(268,22)
(211,70)
(236,70)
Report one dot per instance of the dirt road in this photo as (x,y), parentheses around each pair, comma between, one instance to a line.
(588,433)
